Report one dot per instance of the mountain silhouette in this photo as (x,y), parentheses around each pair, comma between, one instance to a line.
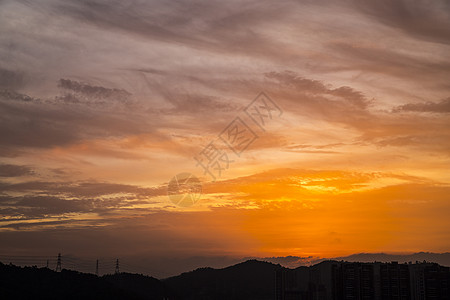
(251,279)
(247,280)
(43,283)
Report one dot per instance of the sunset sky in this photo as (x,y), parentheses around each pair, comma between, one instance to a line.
(103,102)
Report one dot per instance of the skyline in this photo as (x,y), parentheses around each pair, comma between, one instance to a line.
(103,102)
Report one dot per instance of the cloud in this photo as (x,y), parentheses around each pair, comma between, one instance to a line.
(73,201)
(421,19)
(26,122)
(43,123)
(33,126)
(7,95)
(92,119)
(213,27)
(129,89)
(304,185)
(41,199)
(81,189)
(315,100)
(385,60)
(35,207)
(11,79)
(440,107)
(14,170)
(91,93)
(198,104)
(348,97)
(291,209)
(345,107)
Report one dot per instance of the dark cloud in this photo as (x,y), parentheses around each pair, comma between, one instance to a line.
(427,20)
(87,112)
(316,100)
(8,95)
(90,92)
(42,123)
(80,189)
(389,61)
(348,96)
(188,103)
(11,79)
(14,170)
(56,199)
(212,26)
(36,207)
(27,225)
(31,207)
(130,16)
(28,123)
(440,107)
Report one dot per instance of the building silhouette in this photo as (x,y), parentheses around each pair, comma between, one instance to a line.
(429,281)
(353,281)
(394,281)
(366,281)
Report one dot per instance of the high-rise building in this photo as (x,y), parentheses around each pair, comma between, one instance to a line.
(353,281)
(364,281)
(394,281)
(429,281)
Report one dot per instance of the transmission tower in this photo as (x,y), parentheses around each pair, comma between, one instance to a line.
(58,263)
(117,267)
(96,268)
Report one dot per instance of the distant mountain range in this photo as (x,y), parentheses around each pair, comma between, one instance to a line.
(297,261)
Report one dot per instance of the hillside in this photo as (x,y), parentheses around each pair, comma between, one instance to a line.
(248,280)
(42,283)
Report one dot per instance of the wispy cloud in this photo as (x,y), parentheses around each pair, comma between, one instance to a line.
(102,102)
(14,170)
(442,106)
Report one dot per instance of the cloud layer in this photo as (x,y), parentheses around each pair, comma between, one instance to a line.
(103,102)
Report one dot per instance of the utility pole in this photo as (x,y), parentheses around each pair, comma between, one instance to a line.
(117,267)
(96,268)
(58,263)
(47,264)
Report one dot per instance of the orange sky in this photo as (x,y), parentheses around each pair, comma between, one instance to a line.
(101,105)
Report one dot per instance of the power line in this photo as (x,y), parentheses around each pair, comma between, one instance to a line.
(97,266)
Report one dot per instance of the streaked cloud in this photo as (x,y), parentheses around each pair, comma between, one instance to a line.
(103,102)
(442,106)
